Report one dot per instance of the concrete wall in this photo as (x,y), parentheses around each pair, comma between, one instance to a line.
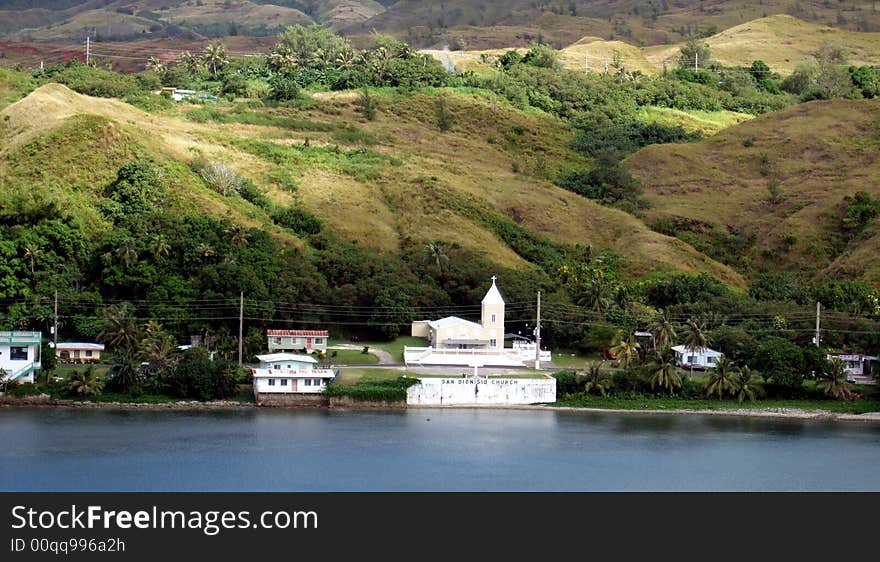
(292,400)
(440,392)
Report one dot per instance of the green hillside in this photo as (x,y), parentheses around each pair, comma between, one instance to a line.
(770,194)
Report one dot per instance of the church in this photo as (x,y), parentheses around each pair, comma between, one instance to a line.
(456,341)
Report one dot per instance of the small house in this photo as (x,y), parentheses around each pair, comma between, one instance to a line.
(77,352)
(703,358)
(856,364)
(290,341)
(281,373)
(20,355)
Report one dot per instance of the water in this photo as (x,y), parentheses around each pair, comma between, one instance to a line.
(320,450)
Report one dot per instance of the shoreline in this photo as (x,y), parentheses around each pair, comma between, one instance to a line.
(185,405)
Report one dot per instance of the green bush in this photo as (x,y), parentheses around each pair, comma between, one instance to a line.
(380,391)
(297,220)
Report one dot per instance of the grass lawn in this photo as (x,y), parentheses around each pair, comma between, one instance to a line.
(837,406)
(395,348)
(350,376)
(351,357)
(567,360)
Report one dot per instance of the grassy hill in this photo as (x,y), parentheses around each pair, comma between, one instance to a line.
(782,41)
(385,183)
(768,194)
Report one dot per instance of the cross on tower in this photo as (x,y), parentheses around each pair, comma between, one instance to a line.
(493,279)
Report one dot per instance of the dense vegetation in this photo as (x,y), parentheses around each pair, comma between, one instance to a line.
(185,269)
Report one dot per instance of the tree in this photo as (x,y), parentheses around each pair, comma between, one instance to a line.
(722,378)
(84,383)
(215,57)
(444,117)
(694,54)
(663,331)
(367,105)
(745,385)
(119,329)
(308,46)
(596,379)
(696,339)
(780,361)
(626,349)
(155,65)
(125,373)
(157,347)
(283,87)
(834,383)
(665,373)
(436,253)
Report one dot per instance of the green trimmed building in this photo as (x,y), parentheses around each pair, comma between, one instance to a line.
(20,355)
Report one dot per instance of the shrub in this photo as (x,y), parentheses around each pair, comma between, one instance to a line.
(386,391)
(444,117)
(221,178)
(283,87)
(297,220)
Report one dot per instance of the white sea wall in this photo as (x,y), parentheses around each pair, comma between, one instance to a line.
(453,391)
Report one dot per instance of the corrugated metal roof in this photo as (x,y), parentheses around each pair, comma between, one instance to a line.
(77,345)
(299,333)
(292,357)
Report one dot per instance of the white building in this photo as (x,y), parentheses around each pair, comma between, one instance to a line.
(856,364)
(20,355)
(79,352)
(289,373)
(699,358)
(456,341)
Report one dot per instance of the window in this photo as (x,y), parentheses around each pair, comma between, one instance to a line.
(317,382)
(308,382)
(271,382)
(289,367)
(493,318)
(88,353)
(493,343)
(710,360)
(283,382)
(18,353)
(75,353)
(691,359)
(278,341)
(319,341)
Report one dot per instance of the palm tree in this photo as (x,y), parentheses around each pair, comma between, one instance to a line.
(193,64)
(155,65)
(834,381)
(745,386)
(626,349)
(346,59)
(31,253)
(160,246)
(666,373)
(124,371)
(126,252)
(119,329)
(663,331)
(596,379)
(85,382)
(215,57)
(722,378)
(696,339)
(437,254)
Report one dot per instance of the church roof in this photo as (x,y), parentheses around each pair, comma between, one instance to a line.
(451,321)
(493,296)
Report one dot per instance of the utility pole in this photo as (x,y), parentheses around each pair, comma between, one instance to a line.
(88,50)
(240,329)
(818,319)
(538,335)
(587,60)
(606,66)
(696,61)
(55,327)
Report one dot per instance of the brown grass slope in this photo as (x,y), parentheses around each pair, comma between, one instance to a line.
(73,144)
(815,153)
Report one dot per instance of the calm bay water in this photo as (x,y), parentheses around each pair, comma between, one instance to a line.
(282,450)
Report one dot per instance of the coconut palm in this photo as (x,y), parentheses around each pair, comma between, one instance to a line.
(626,349)
(834,381)
(126,252)
(665,374)
(157,346)
(696,338)
(84,383)
(119,329)
(124,371)
(596,380)
(722,378)
(663,331)
(745,385)
(215,57)
(155,65)
(346,59)
(192,63)
(437,254)
(31,253)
